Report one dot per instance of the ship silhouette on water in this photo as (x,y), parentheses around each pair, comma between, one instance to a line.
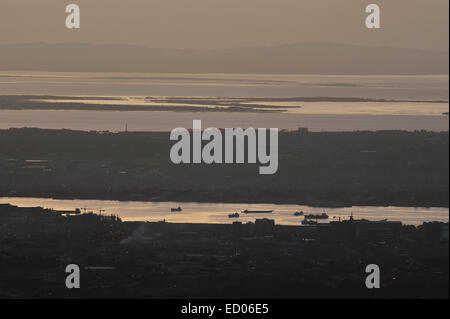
(317,216)
(257,211)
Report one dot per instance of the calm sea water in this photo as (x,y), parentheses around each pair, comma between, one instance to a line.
(316,116)
(339,116)
(225,85)
(218,213)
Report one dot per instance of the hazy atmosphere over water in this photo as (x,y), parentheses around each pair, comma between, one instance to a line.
(206,24)
(224,149)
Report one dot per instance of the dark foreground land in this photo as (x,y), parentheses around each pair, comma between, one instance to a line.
(318,169)
(154,260)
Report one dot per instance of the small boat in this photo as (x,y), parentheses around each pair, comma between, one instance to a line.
(257,211)
(321,216)
(178,209)
(309,222)
(235,215)
(299,213)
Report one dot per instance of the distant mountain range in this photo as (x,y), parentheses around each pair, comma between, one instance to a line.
(298,58)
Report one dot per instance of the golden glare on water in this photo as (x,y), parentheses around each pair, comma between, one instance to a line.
(218,212)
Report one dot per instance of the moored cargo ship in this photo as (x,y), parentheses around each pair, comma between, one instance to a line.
(257,211)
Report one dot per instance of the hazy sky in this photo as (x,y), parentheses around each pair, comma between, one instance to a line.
(227,23)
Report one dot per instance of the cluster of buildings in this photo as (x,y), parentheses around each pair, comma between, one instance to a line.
(255,259)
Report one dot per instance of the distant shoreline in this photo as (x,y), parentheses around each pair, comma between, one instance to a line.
(315,204)
(176,104)
(130,166)
(294,58)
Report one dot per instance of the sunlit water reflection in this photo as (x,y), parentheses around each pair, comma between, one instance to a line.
(218,212)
